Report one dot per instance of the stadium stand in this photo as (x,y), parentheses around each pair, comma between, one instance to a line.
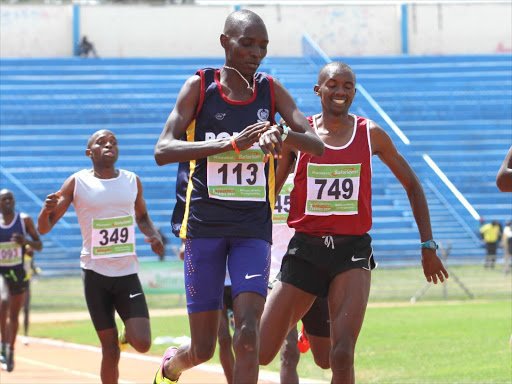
(455,109)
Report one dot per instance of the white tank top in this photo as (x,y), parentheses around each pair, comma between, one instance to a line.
(281,233)
(96,199)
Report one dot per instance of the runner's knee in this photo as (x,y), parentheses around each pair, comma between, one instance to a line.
(342,354)
(322,361)
(141,344)
(202,352)
(245,338)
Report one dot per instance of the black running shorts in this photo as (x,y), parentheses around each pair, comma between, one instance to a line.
(105,294)
(316,320)
(312,262)
(16,280)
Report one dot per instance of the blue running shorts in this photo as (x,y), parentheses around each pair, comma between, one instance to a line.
(248,262)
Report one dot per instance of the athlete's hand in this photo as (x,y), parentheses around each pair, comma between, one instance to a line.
(18,238)
(271,143)
(245,139)
(51,202)
(157,245)
(432,266)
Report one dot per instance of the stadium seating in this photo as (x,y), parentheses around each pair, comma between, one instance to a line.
(457,110)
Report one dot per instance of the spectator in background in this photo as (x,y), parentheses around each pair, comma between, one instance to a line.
(491,234)
(506,242)
(85,46)
(504,177)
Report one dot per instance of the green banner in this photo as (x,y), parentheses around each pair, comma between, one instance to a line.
(286,189)
(9,245)
(111,249)
(280,218)
(162,277)
(116,222)
(10,262)
(334,171)
(237,191)
(332,206)
(247,156)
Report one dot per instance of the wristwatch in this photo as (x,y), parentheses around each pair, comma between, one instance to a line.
(430,244)
(285,129)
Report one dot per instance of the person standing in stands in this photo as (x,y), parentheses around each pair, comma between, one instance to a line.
(330,254)
(108,203)
(221,132)
(14,228)
(491,233)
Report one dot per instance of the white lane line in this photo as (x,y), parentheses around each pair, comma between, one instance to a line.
(63,369)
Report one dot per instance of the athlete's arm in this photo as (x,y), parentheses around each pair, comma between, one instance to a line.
(383,146)
(301,137)
(504,177)
(171,149)
(145,224)
(35,243)
(285,166)
(55,206)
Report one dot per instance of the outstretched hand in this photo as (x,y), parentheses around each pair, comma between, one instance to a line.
(51,202)
(157,245)
(432,266)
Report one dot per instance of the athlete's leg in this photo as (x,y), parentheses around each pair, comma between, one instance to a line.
(204,327)
(321,350)
(348,297)
(205,270)
(26,311)
(138,333)
(285,306)
(317,329)
(290,356)
(247,309)
(130,303)
(225,346)
(110,356)
(15,304)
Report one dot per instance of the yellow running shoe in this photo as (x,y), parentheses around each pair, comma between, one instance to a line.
(121,337)
(159,377)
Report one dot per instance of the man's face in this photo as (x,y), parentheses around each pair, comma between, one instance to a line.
(246,47)
(336,90)
(7,202)
(103,148)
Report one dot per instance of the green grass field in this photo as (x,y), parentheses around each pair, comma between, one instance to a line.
(448,343)
(457,340)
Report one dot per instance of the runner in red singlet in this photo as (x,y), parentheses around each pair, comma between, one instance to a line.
(330,254)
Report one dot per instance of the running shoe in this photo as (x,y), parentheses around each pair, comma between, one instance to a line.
(160,377)
(303,342)
(10,361)
(121,337)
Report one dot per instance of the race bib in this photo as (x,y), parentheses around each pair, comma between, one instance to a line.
(112,237)
(333,189)
(282,206)
(237,176)
(10,254)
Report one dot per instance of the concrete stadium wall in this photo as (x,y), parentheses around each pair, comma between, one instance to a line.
(164,31)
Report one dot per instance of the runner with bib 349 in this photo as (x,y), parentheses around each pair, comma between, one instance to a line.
(108,204)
